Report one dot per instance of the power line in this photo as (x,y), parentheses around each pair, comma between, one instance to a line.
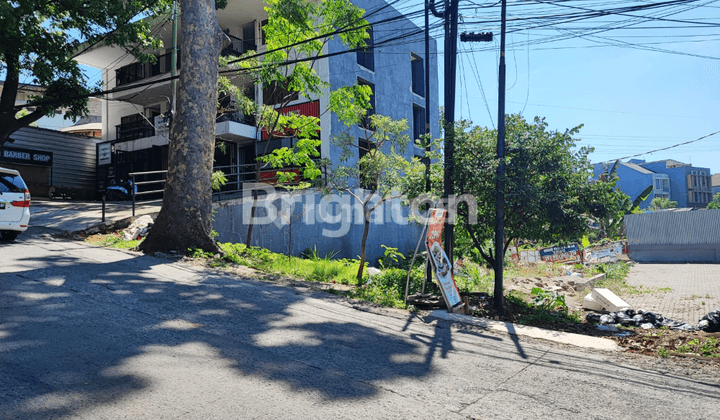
(668,147)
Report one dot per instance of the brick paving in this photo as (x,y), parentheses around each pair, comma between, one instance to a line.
(695,289)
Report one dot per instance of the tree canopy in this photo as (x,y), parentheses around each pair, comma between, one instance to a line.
(549,195)
(41,39)
(715,203)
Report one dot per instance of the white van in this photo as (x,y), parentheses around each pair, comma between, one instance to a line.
(14,204)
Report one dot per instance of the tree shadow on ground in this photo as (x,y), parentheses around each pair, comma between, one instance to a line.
(78,336)
(72,330)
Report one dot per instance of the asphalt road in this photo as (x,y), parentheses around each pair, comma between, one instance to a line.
(93,333)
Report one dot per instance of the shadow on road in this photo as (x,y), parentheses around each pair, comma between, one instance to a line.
(75,332)
(76,335)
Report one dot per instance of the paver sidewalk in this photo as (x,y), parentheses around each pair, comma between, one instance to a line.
(72,216)
(695,289)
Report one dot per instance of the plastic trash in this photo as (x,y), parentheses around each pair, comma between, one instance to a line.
(713,321)
(647,326)
(593,317)
(606,328)
(683,327)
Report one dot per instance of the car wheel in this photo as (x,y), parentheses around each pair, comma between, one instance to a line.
(9,235)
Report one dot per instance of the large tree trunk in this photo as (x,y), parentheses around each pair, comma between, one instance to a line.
(185,220)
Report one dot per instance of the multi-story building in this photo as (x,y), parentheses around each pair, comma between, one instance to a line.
(135,137)
(690,186)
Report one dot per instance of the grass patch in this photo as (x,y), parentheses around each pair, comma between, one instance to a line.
(472,278)
(113,240)
(541,309)
(314,268)
(615,280)
(707,347)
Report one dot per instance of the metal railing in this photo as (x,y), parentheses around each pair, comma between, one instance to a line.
(236,176)
(153,182)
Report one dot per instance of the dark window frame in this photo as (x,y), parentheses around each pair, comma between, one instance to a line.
(417,73)
(365,122)
(418,123)
(366,56)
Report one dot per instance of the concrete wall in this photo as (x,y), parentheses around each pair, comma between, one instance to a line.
(688,236)
(330,224)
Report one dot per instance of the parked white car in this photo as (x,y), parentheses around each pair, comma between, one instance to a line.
(14,204)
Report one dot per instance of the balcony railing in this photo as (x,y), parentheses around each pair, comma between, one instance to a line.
(237,117)
(134,130)
(139,71)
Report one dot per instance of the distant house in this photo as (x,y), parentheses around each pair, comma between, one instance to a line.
(715,184)
(634,179)
(91,124)
(689,185)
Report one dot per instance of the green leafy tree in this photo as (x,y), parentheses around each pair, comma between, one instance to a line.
(299,29)
(40,39)
(661,203)
(381,171)
(548,196)
(715,203)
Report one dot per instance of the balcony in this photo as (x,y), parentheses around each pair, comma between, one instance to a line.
(139,71)
(134,130)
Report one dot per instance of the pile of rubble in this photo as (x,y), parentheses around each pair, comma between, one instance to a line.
(620,313)
(138,228)
(647,320)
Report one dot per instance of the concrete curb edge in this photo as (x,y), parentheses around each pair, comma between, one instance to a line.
(578,340)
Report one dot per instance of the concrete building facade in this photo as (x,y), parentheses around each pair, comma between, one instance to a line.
(135,137)
(690,186)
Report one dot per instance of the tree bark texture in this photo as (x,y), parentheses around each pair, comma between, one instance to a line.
(366,230)
(185,219)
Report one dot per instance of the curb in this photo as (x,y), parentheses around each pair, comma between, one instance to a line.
(578,340)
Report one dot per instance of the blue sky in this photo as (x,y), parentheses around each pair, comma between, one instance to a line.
(630,101)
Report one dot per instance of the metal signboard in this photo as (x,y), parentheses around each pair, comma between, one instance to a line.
(104,152)
(569,253)
(26,156)
(442,266)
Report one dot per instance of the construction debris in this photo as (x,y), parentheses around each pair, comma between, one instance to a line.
(647,320)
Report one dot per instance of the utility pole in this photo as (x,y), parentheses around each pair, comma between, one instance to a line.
(450,14)
(500,180)
(428,267)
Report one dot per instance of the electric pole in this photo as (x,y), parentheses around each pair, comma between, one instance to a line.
(500,180)
(450,14)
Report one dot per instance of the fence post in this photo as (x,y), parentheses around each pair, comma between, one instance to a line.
(103,207)
(132,188)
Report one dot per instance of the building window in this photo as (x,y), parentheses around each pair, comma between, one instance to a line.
(418,121)
(365,123)
(262,30)
(418,75)
(366,57)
